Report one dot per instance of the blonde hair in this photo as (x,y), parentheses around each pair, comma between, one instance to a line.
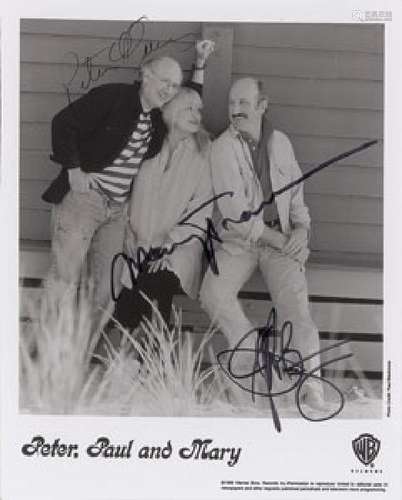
(201,137)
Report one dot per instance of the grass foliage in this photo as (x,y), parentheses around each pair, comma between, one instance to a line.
(58,374)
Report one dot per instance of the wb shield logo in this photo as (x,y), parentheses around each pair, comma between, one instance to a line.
(366,448)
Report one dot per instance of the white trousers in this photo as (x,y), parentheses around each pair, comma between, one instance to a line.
(286,282)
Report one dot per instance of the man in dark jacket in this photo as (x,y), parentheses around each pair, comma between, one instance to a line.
(100,140)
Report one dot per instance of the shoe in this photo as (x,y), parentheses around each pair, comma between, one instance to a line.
(312,394)
(357,395)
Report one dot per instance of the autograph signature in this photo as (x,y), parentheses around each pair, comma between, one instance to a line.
(248,214)
(87,70)
(143,257)
(273,355)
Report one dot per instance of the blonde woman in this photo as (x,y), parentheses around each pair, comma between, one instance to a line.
(163,252)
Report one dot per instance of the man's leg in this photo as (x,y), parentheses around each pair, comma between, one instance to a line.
(218,297)
(75,221)
(108,241)
(286,281)
(218,293)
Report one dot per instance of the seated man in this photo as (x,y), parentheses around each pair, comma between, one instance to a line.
(252,160)
(100,141)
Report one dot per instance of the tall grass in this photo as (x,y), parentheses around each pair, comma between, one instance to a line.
(55,354)
(58,374)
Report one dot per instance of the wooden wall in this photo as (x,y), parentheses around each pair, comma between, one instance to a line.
(46,65)
(325,84)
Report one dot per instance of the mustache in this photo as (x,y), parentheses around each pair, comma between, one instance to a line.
(239,115)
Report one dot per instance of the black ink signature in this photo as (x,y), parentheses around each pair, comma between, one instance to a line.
(144,257)
(273,355)
(121,49)
(139,263)
(246,215)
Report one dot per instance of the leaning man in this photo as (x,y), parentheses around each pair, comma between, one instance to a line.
(253,160)
(100,141)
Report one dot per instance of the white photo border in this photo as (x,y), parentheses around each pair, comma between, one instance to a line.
(304,451)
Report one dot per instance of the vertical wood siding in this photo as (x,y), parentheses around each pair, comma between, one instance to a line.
(325,84)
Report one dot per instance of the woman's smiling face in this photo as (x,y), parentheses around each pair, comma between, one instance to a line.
(183,113)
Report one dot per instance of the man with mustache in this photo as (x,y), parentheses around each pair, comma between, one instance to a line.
(253,160)
(100,140)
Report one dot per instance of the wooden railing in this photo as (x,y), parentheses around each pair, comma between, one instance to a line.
(346,303)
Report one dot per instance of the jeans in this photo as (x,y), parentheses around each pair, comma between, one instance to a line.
(87,228)
(286,282)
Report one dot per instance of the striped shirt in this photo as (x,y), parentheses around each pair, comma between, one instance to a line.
(116,179)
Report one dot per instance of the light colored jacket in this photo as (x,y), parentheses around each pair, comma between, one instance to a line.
(232,170)
(165,191)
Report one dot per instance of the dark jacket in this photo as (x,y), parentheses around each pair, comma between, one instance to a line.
(92,131)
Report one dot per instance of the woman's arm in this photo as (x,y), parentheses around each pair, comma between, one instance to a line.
(204,49)
(193,222)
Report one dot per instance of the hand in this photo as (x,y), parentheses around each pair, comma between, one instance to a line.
(204,49)
(130,243)
(273,238)
(297,242)
(79,181)
(302,255)
(158,265)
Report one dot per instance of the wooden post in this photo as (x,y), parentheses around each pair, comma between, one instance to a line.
(217,77)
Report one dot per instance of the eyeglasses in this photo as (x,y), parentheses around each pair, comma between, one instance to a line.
(166,81)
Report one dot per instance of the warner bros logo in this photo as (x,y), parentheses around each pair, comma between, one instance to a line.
(366,448)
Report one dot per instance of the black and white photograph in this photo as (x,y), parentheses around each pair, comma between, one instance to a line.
(200,251)
(159,275)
